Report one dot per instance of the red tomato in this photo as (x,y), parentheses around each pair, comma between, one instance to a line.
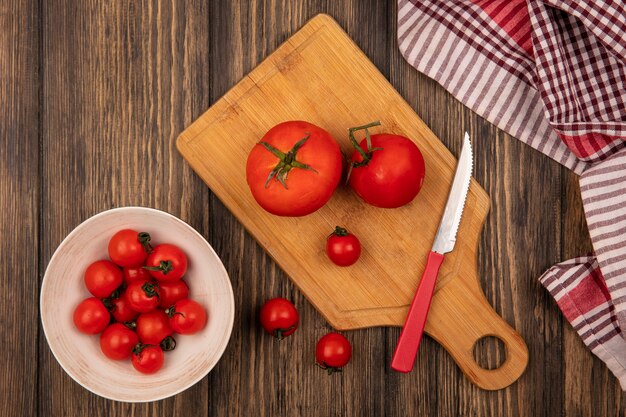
(294,169)
(120,309)
(153,327)
(332,352)
(117,341)
(171,292)
(167,263)
(187,317)
(390,173)
(142,296)
(91,316)
(147,359)
(135,274)
(342,247)
(279,317)
(129,248)
(102,278)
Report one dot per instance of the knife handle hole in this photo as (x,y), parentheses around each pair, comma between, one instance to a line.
(489,352)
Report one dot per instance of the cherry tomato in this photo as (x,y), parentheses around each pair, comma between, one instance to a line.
(389,173)
(91,316)
(167,263)
(102,278)
(153,327)
(187,317)
(333,352)
(129,248)
(147,359)
(294,169)
(142,296)
(117,341)
(135,273)
(171,292)
(279,317)
(120,309)
(342,247)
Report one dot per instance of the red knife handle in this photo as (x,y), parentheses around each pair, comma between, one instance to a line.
(411,334)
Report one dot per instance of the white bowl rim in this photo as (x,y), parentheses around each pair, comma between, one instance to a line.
(221,349)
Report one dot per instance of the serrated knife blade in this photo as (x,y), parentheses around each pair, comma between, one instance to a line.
(411,335)
(449,225)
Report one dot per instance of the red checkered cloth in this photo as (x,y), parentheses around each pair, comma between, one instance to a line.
(553,74)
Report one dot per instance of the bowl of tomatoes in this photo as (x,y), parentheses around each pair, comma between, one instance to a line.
(105,305)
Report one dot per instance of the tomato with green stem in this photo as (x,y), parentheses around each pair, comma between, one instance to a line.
(342,247)
(166,262)
(142,296)
(386,170)
(187,317)
(147,359)
(279,317)
(294,169)
(129,248)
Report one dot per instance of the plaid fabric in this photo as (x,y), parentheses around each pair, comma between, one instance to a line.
(553,74)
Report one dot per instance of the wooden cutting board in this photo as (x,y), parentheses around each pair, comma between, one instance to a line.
(321,76)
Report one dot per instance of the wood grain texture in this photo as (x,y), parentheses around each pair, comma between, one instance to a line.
(120,80)
(19,205)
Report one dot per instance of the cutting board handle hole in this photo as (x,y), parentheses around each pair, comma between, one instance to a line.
(489,352)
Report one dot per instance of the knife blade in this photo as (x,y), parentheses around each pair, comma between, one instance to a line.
(445,239)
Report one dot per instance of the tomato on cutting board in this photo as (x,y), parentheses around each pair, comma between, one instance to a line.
(279,317)
(387,170)
(342,247)
(294,169)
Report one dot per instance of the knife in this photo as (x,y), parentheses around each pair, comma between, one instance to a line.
(411,334)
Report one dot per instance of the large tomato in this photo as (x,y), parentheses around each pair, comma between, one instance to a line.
(294,169)
(388,172)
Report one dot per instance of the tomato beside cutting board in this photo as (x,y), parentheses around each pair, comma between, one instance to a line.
(333,352)
(279,317)
(294,169)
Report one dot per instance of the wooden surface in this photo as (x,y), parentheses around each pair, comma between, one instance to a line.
(377,290)
(92,98)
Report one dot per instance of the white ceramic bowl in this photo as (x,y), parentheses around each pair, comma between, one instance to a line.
(79,354)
